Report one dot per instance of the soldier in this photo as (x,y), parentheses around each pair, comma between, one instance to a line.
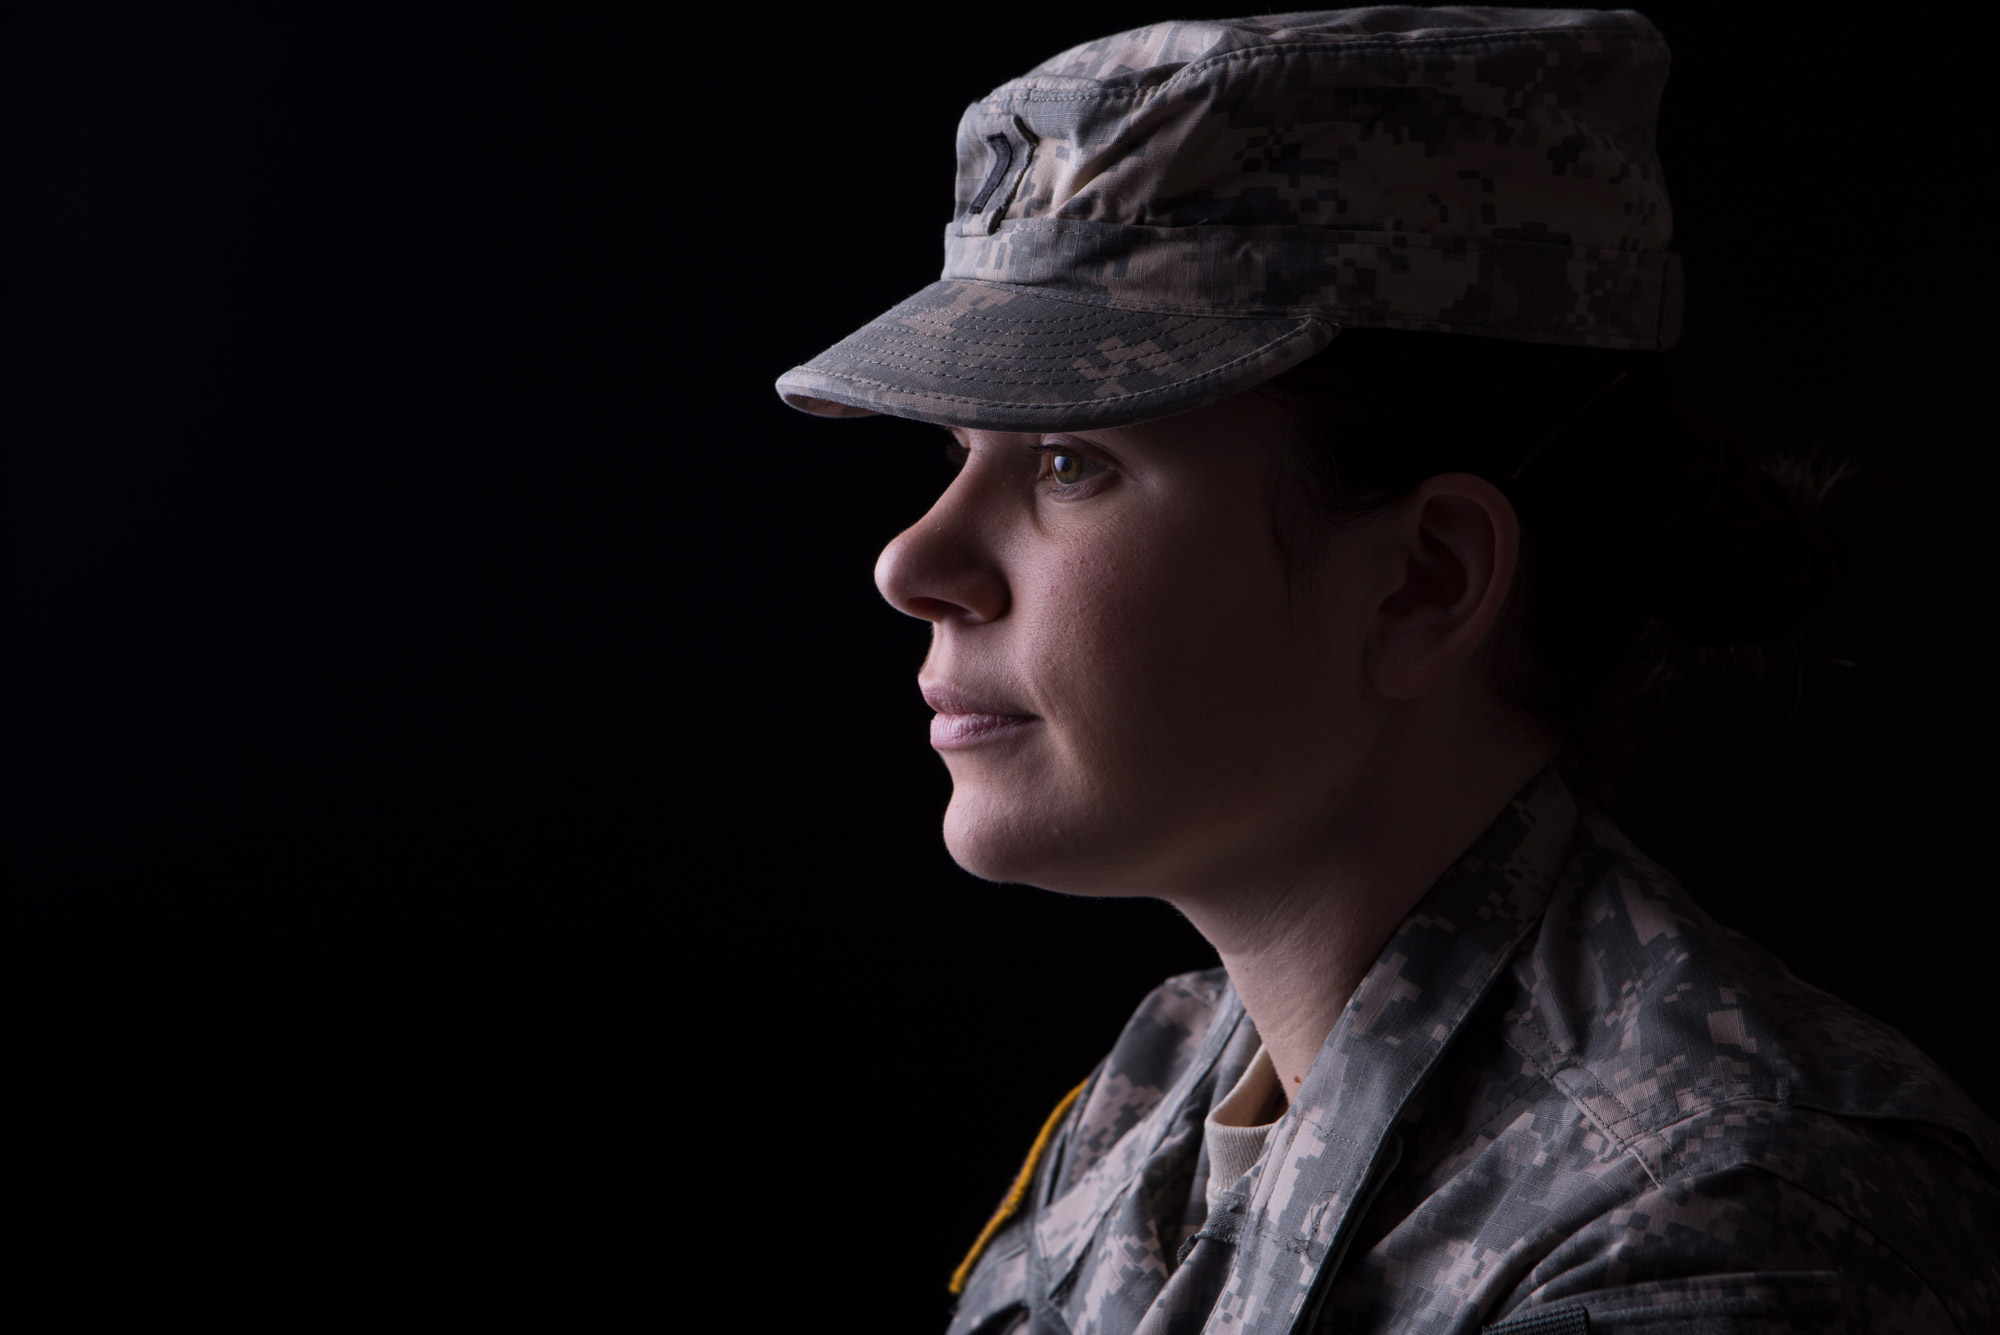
(1320,509)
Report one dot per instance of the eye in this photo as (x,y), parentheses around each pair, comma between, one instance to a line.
(1064,465)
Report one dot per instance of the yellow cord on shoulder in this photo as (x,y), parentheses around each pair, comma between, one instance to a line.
(1016,1193)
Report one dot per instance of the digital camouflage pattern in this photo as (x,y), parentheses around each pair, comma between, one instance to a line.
(1563,1100)
(1162,218)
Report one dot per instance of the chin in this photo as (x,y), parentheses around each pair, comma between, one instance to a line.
(986,842)
(998,841)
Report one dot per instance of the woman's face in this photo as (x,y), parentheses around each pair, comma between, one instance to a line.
(1137,690)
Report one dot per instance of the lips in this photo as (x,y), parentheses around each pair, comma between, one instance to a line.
(964,719)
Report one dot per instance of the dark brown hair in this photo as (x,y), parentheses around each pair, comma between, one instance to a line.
(1653,541)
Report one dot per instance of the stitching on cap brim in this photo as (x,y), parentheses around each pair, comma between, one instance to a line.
(861,381)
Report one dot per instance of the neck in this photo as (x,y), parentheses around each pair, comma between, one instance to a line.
(1297,944)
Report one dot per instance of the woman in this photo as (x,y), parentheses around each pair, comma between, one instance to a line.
(1319,513)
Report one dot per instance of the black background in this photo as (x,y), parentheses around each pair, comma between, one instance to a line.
(473,846)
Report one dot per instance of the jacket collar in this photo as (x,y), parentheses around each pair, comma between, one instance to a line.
(1065,1226)
(1334,1144)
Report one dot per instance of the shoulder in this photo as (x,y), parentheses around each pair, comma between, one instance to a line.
(1657,1012)
(1768,1117)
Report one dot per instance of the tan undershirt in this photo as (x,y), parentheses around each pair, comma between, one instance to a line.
(1236,1131)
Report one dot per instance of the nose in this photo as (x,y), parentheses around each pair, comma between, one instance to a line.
(942,567)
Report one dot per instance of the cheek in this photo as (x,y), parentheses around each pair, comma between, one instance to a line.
(1166,655)
(1191,709)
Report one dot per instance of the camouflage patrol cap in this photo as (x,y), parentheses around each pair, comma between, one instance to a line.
(1162,218)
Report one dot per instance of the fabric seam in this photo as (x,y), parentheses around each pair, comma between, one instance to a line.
(1625,1144)
(1302,327)
(1471,37)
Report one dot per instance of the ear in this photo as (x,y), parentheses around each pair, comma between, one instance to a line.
(1454,541)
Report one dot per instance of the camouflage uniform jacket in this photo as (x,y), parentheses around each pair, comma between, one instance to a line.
(1562,1100)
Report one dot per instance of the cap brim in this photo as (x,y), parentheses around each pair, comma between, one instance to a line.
(1002,357)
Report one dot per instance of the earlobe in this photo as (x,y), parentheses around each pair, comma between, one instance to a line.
(1457,540)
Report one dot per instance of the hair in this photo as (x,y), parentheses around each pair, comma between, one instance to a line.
(1654,542)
